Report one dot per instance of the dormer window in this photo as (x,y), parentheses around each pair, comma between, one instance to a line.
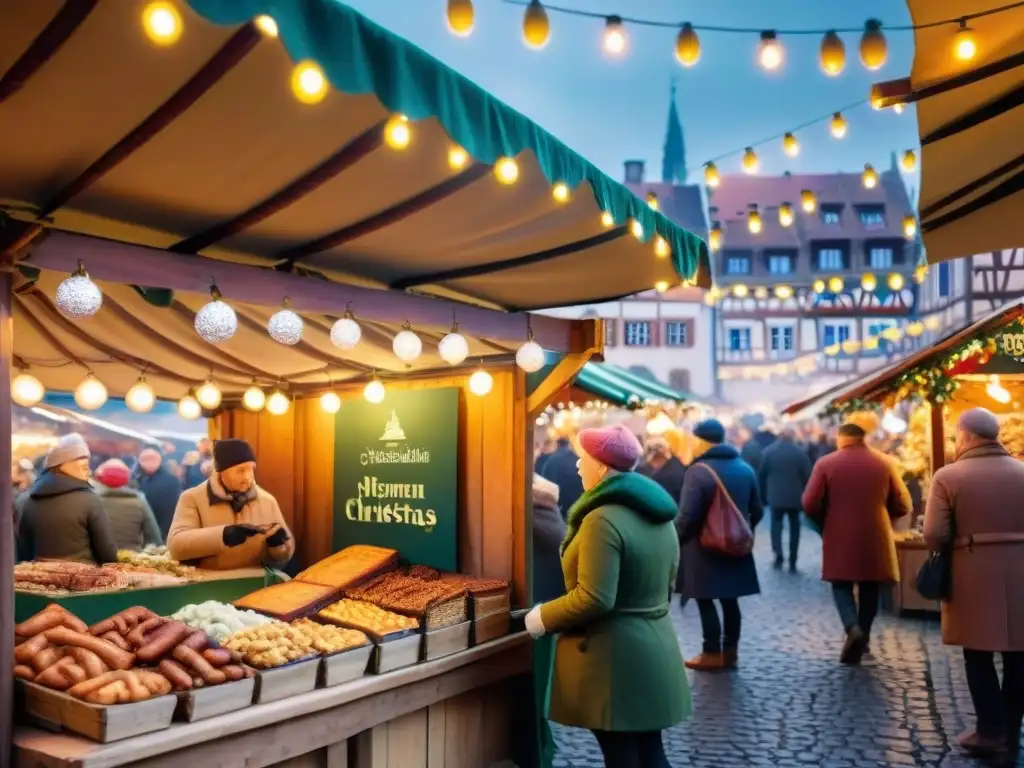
(830,214)
(872,216)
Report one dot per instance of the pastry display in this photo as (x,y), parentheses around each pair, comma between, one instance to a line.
(272,645)
(219,620)
(367,618)
(328,638)
(153,559)
(288,600)
(121,687)
(437,603)
(351,566)
(64,576)
(472,584)
(1011,434)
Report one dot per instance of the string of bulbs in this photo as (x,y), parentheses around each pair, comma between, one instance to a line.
(770,52)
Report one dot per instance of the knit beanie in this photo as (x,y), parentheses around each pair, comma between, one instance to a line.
(69,448)
(113,473)
(613,446)
(710,431)
(231,453)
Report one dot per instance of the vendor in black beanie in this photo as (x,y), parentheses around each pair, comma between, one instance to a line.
(228,521)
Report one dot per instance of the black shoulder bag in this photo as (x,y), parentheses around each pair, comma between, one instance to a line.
(935,579)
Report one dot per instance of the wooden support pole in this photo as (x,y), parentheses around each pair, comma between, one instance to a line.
(6,518)
(938,430)
(587,341)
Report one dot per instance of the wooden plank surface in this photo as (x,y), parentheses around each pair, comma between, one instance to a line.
(497,452)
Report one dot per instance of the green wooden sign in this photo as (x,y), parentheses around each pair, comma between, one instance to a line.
(396,472)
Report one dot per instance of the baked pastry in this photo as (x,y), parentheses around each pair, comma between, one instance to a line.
(367,618)
(351,566)
(272,645)
(288,600)
(437,603)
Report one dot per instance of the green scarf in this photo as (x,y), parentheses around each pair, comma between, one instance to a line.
(627,489)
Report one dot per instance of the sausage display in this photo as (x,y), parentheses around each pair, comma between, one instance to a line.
(24,653)
(110,654)
(198,664)
(23,672)
(176,674)
(218,657)
(117,640)
(89,661)
(137,637)
(163,641)
(197,641)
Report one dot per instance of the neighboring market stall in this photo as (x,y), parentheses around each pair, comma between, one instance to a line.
(307,229)
(966,85)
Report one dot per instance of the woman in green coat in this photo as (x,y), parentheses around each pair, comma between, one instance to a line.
(618,670)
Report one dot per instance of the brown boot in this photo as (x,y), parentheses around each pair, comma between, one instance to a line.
(731,658)
(707,662)
(982,746)
(854,647)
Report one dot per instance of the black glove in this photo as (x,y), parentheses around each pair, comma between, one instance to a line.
(237,534)
(277,538)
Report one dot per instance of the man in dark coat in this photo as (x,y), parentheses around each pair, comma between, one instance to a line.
(548,533)
(820,448)
(853,496)
(707,575)
(666,470)
(783,477)
(560,469)
(160,487)
(751,450)
(194,474)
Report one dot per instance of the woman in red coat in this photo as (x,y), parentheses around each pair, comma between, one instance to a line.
(853,496)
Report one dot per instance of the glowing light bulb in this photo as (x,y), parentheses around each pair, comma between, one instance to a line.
(760,292)
(921,274)
(790,145)
(740,291)
(661,286)
(835,285)
(309,85)
(406,345)
(869,178)
(480,383)
(266,25)
(27,390)
(687,46)
(715,237)
(808,201)
(769,51)
(189,408)
(90,394)
(754,222)
(818,286)
(254,399)
(636,229)
(908,161)
(897,108)
(278,403)
(661,247)
(453,348)
(711,177)
(507,170)
(460,17)
(868,282)
(615,41)
(536,27)
(162,23)
(607,220)
(457,157)
(909,227)
(750,161)
(783,292)
(330,402)
(374,392)
(530,356)
(833,54)
(208,395)
(873,49)
(895,282)
(397,133)
(786,214)
(652,201)
(964,46)
(560,192)
(837,126)
(140,398)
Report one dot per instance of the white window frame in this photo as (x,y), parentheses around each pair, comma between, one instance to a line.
(780,259)
(872,219)
(742,334)
(781,341)
(881,251)
(637,333)
(830,255)
(832,217)
(737,260)
(677,334)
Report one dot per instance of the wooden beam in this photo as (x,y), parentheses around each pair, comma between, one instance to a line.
(938,430)
(128,263)
(588,341)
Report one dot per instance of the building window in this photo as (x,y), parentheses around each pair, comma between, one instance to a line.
(638,333)
(611,333)
(880,258)
(830,214)
(737,265)
(677,334)
(679,379)
(835,334)
(739,339)
(780,265)
(830,259)
(877,329)
(873,216)
(944,280)
(782,338)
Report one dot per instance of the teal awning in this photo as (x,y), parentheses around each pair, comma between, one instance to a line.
(623,388)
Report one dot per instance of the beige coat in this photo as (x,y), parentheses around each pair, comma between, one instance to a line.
(983,492)
(198,530)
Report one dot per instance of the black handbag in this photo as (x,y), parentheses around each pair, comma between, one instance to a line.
(934,580)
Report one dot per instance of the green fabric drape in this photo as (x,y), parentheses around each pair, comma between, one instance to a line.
(361,57)
(621,387)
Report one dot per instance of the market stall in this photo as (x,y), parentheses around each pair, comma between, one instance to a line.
(981,365)
(308,230)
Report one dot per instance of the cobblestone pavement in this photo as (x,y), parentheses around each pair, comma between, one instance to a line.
(791,703)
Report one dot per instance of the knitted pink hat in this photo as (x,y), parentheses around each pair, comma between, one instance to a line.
(613,446)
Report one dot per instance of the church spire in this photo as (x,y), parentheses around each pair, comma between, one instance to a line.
(673,163)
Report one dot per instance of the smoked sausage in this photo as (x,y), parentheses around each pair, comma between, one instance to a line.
(110,654)
(163,641)
(194,661)
(176,674)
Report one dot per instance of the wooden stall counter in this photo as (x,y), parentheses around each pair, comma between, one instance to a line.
(450,713)
(911,554)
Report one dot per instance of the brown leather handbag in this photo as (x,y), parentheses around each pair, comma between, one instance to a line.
(725,529)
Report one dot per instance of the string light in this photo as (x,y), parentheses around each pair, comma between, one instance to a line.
(835,285)
(216,321)
(254,398)
(740,291)
(760,292)
(908,161)
(90,394)
(162,23)
(790,145)
(687,46)
(560,192)
(783,292)
(909,227)
(869,178)
(27,390)
(481,383)
(530,356)
(266,25)
(833,54)
(871,342)
(808,201)
(189,408)
(208,395)
(769,51)
(374,391)
(818,286)
(330,402)
(615,39)
(278,403)
(457,157)
(873,49)
(964,46)
(308,82)
(507,170)
(652,201)
(453,348)
(78,297)
(711,177)
(607,220)
(897,109)
(460,17)
(397,133)
(406,345)
(921,274)
(868,282)
(661,247)
(895,282)
(346,333)
(754,222)
(715,237)
(837,126)
(636,229)
(661,286)
(285,326)
(786,214)
(536,27)
(750,161)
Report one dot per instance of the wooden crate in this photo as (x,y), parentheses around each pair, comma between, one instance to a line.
(213,700)
(103,723)
(445,642)
(289,680)
(344,667)
(490,627)
(394,654)
(487,605)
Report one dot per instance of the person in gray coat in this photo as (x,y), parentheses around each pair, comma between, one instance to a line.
(63,518)
(548,533)
(130,515)
(783,476)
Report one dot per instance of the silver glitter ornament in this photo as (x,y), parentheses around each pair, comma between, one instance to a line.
(346,333)
(285,327)
(216,322)
(79,297)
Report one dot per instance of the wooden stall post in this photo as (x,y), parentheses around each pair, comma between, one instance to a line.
(938,432)
(6,519)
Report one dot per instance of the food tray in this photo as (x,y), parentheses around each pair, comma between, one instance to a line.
(398,650)
(99,722)
(445,642)
(377,639)
(213,700)
(344,666)
(490,603)
(490,627)
(375,560)
(288,608)
(290,679)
